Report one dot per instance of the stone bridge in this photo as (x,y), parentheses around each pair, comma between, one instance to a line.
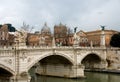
(67,62)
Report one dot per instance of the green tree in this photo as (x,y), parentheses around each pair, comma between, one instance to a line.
(115,40)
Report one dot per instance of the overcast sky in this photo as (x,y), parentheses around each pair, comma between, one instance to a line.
(85,14)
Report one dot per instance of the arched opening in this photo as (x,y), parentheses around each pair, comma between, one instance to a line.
(55,60)
(91,61)
(5,75)
(52,65)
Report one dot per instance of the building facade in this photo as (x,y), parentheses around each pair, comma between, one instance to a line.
(60,34)
(46,36)
(42,38)
(33,39)
(70,39)
(7,35)
(83,41)
(94,37)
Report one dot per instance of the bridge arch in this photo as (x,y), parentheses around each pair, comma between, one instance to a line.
(91,60)
(51,54)
(89,53)
(7,69)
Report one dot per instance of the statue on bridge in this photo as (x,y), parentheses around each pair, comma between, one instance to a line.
(75,29)
(21,38)
(76,38)
(102,42)
(103,28)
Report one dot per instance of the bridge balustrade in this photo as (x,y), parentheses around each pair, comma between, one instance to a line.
(57,47)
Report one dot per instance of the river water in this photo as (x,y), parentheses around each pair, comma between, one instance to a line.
(90,77)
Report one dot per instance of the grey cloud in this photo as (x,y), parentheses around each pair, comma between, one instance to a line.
(86,14)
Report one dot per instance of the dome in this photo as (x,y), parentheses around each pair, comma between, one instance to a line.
(45,29)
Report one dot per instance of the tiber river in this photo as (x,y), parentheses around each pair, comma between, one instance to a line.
(91,77)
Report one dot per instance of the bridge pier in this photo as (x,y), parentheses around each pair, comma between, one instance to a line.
(104,64)
(61,71)
(20,78)
(77,71)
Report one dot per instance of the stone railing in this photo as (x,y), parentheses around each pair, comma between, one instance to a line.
(56,47)
(71,47)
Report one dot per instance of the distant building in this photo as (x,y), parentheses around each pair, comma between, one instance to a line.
(42,38)
(33,39)
(46,36)
(7,35)
(70,39)
(95,36)
(60,34)
(83,38)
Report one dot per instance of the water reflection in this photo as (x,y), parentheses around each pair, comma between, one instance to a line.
(54,79)
(91,77)
(101,77)
(4,79)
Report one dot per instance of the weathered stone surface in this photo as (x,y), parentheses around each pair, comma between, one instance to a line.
(21,60)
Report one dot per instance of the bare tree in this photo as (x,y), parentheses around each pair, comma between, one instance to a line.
(27,27)
(70,31)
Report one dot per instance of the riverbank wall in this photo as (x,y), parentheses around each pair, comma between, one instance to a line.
(112,71)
